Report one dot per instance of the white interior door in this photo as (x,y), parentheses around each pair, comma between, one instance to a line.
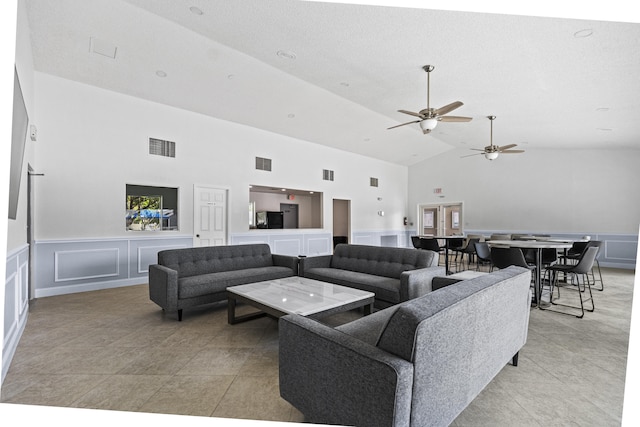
(210,212)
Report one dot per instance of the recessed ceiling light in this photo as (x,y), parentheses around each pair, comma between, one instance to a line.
(284,189)
(231,76)
(161,73)
(602,109)
(583,33)
(367,139)
(196,10)
(605,129)
(345,84)
(291,116)
(286,54)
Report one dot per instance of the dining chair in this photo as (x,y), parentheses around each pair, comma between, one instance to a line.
(456,245)
(483,255)
(576,251)
(499,236)
(470,251)
(503,257)
(415,240)
(581,269)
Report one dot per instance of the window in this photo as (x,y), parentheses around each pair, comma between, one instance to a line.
(151,208)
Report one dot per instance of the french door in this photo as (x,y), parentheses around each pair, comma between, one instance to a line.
(443,219)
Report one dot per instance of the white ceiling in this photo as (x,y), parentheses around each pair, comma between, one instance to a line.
(354,67)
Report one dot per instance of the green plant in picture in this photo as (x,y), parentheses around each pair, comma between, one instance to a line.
(143,212)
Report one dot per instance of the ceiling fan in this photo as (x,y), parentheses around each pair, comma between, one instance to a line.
(429,117)
(491,151)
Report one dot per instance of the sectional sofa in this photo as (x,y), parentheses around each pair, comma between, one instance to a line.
(418,363)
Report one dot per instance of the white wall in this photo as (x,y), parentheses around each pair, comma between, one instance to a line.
(92,142)
(550,191)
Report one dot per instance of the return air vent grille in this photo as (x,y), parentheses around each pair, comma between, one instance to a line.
(160,147)
(263,164)
(373,182)
(327,175)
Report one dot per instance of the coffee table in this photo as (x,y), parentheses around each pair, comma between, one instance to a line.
(300,295)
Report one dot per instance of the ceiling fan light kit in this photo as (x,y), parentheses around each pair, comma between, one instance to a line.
(427,125)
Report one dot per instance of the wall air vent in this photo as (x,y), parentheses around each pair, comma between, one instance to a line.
(373,182)
(160,147)
(327,175)
(263,164)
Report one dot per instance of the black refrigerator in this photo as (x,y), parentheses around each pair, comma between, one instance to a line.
(269,219)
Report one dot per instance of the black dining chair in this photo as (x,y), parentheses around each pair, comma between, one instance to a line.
(483,255)
(456,245)
(415,240)
(576,251)
(581,269)
(470,251)
(503,257)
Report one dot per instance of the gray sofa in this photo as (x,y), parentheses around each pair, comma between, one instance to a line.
(393,274)
(188,277)
(419,363)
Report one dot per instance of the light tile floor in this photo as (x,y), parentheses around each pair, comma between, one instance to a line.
(114,349)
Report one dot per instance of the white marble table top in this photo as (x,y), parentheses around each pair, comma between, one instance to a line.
(300,295)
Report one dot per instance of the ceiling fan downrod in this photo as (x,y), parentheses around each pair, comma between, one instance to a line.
(428,69)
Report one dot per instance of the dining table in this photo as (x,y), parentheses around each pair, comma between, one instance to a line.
(538,246)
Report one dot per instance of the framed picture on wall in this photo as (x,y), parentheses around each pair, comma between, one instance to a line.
(427,220)
(455,219)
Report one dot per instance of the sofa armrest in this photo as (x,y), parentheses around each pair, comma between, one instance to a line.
(286,261)
(415,283)
(334,378)
(320,261)
(163,286)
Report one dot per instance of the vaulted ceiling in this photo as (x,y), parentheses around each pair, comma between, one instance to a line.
(336,74)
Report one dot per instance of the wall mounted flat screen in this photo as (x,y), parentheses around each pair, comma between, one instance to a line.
(18,141)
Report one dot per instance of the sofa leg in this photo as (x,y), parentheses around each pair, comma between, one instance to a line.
(180,315)
(514,361)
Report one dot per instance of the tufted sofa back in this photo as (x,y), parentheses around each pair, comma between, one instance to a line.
(210,259)
(381,261)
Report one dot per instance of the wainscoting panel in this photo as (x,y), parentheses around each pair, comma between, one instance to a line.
(86,264)
(68,266)
(16,303)
(288,242)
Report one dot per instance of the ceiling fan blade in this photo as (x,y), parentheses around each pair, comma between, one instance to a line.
(455,119)
(511,151)
(411,113)
(408,123)
(506,147)
(478,149)
(469,155)
(448,108)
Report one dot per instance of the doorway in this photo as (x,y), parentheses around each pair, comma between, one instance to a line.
(289,215)
(341,221)
(444,219)
(210,216)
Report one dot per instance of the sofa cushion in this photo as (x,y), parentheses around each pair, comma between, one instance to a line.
(204,284)
(380,261)
(385,288)
(399,336)
(203,260)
